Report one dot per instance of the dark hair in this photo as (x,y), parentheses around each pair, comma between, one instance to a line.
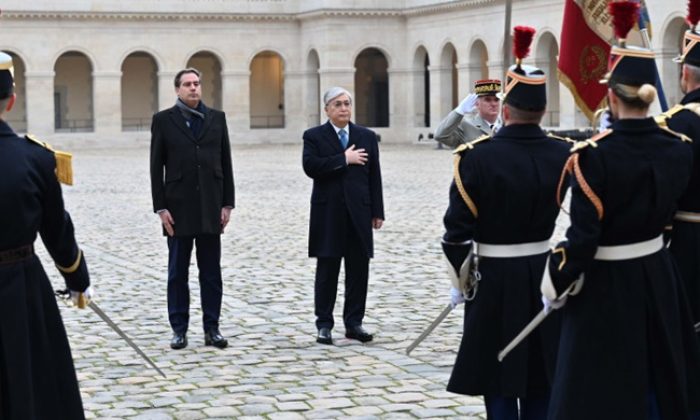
(524,117)
(179,75)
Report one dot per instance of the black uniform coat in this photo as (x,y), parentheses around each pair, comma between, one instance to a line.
(512,180)
(341,190)
(629,326)
(191,177)
(685,238)
(37,377)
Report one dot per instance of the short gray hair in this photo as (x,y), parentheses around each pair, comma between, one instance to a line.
(693,72)
(333,93)
(3,104)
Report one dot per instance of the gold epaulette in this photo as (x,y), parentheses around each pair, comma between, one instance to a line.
(664,116)
(590,142)
(681,136)
(64,166)
(471,144)
(457,177)
(566,139)
(693,106)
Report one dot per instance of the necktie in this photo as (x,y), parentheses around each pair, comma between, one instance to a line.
(343,135)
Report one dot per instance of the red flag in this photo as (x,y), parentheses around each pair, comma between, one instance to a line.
(586,37)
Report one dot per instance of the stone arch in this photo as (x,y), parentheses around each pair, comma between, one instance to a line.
(421,84)
(17,117)
(371,88)
(73,92)
(139,90)
(313,88)
(449,80)
(672,46)
(267,108)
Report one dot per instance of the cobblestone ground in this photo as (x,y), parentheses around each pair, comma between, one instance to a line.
(272,369)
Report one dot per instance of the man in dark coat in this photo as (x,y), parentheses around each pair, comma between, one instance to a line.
(193,193)
(37,377)
(346,203)
(627,338)
(503,203)
(685,118)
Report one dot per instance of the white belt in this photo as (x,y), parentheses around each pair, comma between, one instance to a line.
(628,252)
(512,250)
(687,216)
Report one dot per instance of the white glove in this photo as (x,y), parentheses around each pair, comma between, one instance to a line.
(81,302)
(550,305)
(605,121)
(467,105)
(456,297)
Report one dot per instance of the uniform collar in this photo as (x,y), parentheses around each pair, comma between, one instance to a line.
(521,131)
(693,96)
(634,125)
(6,130)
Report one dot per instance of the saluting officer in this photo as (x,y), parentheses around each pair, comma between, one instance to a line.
(37,377)
(685,118)
(458,127)
(627,348)
(503,204)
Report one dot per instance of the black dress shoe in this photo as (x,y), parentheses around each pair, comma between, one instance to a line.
(359,333)
(214,338)
(324,336)
(179,341)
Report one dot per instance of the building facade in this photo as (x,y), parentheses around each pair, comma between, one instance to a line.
(93,72)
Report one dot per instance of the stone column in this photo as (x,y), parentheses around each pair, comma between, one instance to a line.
(236,99)
(440,93)
(464,77)
(166,89)
(107,105)
(40,106)
(401,104)
(295,118)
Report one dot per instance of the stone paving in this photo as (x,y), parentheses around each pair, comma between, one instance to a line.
(272,369)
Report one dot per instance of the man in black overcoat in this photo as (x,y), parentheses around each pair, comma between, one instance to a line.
(346,203)
(37,376)
(193,193)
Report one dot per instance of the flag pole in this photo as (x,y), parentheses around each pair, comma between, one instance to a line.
(506,41)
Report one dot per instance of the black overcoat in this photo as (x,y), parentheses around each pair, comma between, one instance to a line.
(191,177)
(37,377)
(685,238)
(512,180)
(630,324)
(341,190)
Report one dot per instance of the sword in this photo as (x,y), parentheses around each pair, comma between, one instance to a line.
(92,305)
(430,329)
(697,327)
(537,320)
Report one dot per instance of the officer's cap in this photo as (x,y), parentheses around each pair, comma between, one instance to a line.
(628,65)
(7,84)
(526,86)
(488,87)
(691,49)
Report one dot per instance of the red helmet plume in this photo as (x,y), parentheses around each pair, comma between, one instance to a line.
(624,16)
(693,13)
(522,38)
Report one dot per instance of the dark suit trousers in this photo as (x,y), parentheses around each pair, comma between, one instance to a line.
(356,276)
(210,284)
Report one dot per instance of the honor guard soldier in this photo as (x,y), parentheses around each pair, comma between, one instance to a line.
(503,208)
(459,128)
(37,377)
(685,118)
(627,348)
